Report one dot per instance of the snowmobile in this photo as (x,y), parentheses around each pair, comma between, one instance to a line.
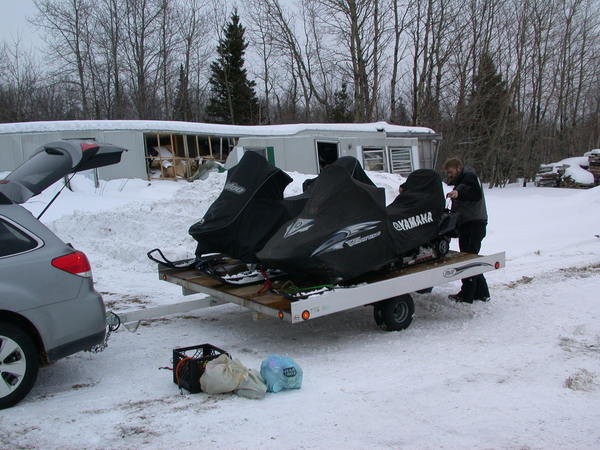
(336,230)
(250,209)
(345,230)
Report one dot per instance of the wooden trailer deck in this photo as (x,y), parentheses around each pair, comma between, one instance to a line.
(369,289)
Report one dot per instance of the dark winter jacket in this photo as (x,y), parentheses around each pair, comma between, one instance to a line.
(470,203)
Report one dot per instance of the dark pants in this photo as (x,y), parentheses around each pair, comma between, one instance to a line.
(470,236)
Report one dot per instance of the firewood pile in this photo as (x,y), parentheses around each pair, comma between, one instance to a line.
(549,175)
(594,158)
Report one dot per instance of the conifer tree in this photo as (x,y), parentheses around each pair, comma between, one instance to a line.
(182,107)
(342,106)
(488,113)
(233,99)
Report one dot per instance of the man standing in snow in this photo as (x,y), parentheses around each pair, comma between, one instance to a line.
(468,200)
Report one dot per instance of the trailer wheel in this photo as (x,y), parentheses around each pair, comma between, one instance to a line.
(395,313)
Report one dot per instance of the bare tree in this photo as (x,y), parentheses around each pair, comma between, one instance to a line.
(19,78)
(143,51)
(66,22)
(357,26)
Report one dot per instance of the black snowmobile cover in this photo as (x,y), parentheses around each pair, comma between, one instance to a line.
(414,216)
(345,230)
(351,165)
(247,213)
(340,234)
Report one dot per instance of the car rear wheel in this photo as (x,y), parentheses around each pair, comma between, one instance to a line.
(18,364)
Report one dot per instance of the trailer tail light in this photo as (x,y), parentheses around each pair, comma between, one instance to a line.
(305,315)
(75,263)
(497,265)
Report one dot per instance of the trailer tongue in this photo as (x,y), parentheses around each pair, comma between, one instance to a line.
(388,292)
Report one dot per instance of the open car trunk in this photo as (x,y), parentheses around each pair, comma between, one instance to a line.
(53,161)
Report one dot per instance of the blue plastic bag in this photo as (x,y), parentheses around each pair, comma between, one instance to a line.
(281,373)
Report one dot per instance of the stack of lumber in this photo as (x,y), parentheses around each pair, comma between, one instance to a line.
(594,158)
(549,175)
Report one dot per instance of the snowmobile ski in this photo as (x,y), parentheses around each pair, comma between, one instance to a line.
(251,276)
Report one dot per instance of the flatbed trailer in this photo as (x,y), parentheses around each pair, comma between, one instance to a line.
(389,292)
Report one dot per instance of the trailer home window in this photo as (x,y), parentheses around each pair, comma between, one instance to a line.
(401,158)
(374,159)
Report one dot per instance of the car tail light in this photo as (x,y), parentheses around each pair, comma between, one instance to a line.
(75,263)
(87,146)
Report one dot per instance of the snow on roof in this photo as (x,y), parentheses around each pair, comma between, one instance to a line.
(204,128)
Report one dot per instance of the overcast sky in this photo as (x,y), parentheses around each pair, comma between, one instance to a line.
(13,23)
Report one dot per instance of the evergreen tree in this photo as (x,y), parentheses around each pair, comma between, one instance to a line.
(182,107)
(232,99)
(487,115)
(341,111)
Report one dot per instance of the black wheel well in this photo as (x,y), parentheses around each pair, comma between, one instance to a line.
(22,322)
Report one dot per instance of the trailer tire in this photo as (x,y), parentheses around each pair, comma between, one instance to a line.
(394,314)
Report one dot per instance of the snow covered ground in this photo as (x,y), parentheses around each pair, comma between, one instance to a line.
(522,371)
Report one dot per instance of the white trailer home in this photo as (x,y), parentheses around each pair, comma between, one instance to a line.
(378,146)
(170,150)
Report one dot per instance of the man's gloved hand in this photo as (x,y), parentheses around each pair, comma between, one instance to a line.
(452,194)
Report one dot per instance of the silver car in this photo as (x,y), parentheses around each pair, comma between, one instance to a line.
(48,306)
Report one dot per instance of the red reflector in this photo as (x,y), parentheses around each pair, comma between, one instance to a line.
(497,265)
(305,315)
(75,263)
(85,146)
(280,315)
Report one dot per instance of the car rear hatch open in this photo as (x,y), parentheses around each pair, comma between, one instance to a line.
(53,161)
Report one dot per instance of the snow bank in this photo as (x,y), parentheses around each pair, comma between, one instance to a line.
(542,229)
(122,235)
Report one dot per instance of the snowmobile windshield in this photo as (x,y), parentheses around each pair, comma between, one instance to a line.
(251,178)
(351,166)
(419,184)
